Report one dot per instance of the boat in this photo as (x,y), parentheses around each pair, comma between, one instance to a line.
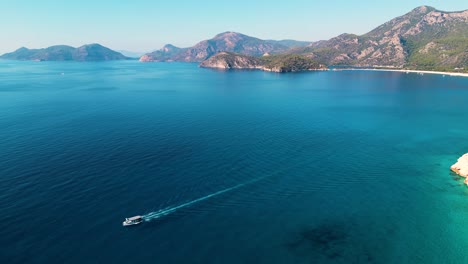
(135,220)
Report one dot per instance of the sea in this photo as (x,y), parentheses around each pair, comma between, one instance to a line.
(229,166)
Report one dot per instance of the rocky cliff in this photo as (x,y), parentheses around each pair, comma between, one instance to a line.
(461,167)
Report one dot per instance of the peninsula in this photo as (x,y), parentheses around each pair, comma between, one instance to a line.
(272,63)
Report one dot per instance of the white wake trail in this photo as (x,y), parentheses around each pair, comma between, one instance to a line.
(155,215)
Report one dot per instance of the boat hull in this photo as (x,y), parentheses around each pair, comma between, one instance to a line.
(130,224)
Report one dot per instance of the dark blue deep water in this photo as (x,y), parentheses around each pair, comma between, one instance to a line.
(353,166)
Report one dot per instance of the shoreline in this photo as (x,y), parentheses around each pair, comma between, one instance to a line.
(458,74)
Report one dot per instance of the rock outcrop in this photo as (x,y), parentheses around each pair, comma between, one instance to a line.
(461,167)
(226,61)
(272,63)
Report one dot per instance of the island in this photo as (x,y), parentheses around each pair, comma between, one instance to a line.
(89,52)
(461,167)
(271,63)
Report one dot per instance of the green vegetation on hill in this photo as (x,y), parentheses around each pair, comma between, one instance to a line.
(448,53)
(290,63)
(423,39)
(275,63)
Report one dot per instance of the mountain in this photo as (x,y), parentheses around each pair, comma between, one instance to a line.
(167,53)
(424,38)
(290,43)
(227,41)
(90,52)
(274,63)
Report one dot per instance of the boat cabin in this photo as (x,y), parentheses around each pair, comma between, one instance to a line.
(133,220)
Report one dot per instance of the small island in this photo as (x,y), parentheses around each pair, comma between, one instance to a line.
(461,167)
(271,63)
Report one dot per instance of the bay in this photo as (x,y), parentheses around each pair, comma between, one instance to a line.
(334,167)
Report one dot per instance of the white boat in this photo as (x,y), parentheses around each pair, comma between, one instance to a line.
(135,220)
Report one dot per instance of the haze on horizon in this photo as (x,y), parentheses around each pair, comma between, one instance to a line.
(144,25)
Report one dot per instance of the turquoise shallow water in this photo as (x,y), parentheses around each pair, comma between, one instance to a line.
(353,167)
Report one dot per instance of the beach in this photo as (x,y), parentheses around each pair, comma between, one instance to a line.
(461,74)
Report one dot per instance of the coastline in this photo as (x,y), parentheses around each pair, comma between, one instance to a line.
(458,74)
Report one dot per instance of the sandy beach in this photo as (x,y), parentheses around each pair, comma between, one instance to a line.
(461,74)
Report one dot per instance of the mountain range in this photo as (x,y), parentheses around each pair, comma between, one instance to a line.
(90,52)
(423,39)
(224,42)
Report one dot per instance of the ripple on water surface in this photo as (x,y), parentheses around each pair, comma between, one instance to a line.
(342,167)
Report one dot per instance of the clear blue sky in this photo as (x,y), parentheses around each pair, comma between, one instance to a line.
(145,25)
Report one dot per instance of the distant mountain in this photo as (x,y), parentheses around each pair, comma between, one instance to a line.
(131,54)
(290,43)
(227,41)
(167,53)
(90,52)
(424,38)
(274,63)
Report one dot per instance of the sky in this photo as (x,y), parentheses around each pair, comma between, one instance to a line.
(147,25)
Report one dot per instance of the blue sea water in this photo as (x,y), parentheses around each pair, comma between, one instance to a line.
(341,167)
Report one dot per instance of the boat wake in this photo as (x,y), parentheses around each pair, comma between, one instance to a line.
(158,214)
